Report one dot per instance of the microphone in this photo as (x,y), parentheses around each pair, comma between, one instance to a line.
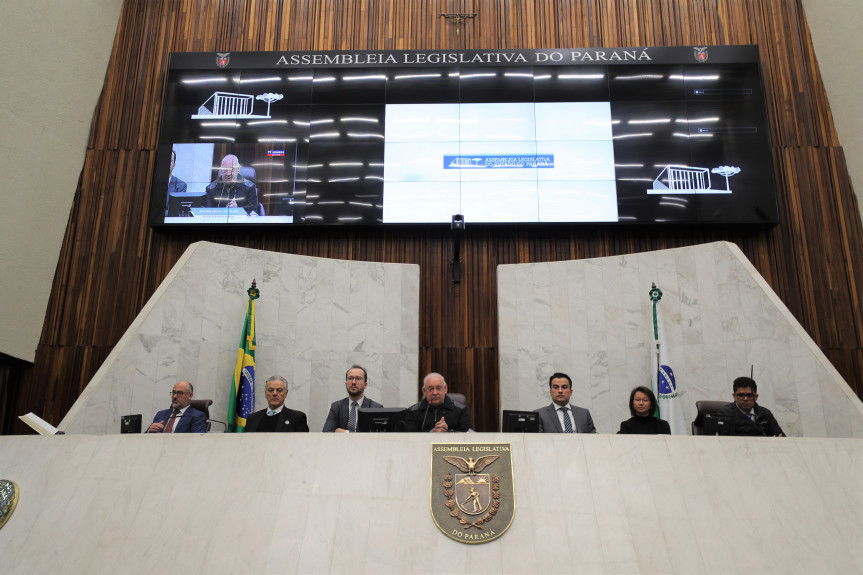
(164,422)
(222,193)
(757,424)
(170,417)
(161,430)
(424,416)
(217,421)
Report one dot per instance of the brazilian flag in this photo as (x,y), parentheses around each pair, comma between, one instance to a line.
(242,400)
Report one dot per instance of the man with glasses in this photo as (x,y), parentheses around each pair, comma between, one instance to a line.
(276,417)
(745,416)
(180,417)
(231,190)
(343,413)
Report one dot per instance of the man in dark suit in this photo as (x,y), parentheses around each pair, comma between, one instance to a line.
(561,416)
(744,416)
(180,417)
(277,417)
(175,184)
(343,413)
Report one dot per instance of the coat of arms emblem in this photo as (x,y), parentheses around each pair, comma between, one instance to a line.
(8,500)
(700,53)
(222,59)
(468,505)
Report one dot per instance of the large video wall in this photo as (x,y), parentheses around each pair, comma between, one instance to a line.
(617,135)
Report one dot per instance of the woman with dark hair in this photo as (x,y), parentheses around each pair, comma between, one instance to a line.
(642,406)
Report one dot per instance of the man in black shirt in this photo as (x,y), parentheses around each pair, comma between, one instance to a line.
(231,190)
(437,411)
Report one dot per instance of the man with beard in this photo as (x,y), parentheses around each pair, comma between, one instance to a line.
(231,190)
(745,416)
(343,413)
(180,417)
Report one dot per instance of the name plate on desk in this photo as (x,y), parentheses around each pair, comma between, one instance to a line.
(220,213)
(472,494)
(226,215)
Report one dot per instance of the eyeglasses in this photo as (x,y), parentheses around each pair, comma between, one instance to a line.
(178,393)
(355,378)
(744,395)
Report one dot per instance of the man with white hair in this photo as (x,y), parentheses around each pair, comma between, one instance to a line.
(276,417)
(231,190)
(437,411)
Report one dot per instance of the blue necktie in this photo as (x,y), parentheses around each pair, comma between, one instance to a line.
(270,413)
(567,422)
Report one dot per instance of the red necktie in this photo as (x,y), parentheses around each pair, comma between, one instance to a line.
(171,421)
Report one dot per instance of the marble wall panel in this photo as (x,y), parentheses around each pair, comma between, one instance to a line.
(315,318)
(721,320)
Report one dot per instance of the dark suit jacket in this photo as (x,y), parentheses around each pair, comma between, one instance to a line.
(739,424)
(337,418)
(286,420)
(192,421)
(550,423)
(175,185)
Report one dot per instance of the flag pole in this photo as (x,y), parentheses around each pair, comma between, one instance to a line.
(655,295)
(665,387)
(241,401)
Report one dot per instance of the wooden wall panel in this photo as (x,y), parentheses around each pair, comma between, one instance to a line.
(111,262)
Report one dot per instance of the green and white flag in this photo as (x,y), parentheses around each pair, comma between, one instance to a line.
(662,380)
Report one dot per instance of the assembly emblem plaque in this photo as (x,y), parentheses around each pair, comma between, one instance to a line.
(8,500)
(472,495)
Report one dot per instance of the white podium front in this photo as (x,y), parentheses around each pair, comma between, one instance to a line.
(359,503)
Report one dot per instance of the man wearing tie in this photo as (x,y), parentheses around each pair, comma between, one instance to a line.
(561,416)
(277,417)
(343,413)
(180,417)
(745,416)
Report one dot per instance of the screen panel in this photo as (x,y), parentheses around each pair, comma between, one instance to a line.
(622,135)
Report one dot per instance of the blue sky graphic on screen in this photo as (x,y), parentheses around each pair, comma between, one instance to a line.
(500,162)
